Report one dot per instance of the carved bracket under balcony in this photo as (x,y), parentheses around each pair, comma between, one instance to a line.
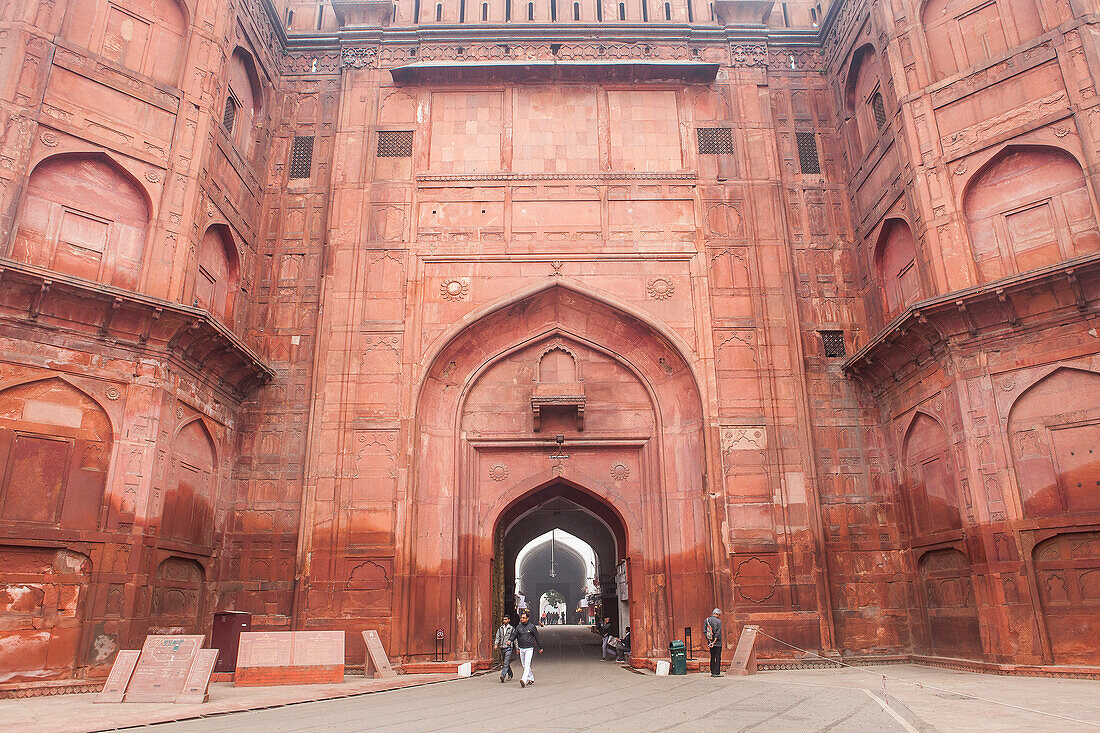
(1045,295)
(74,309)
(568,397)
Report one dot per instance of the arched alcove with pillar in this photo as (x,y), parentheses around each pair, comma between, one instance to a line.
(483,442)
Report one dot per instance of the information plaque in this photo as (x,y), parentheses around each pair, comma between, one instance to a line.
(115,686)
(197,685)
(744,656)
(162,668)
(376,663)
(289,658)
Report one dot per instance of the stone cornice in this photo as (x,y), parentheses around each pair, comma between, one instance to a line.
(594,176)
(748,44)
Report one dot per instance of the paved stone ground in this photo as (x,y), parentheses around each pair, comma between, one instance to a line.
(576,692)
(573,692)
(80,713)
(965,701)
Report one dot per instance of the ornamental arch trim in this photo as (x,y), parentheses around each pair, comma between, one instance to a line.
(677,344)
(116,428)
(204,424)
(111,159)
(558,345)
(1045,375)
(907,433)
(988,158)
(852,71)
(511,501)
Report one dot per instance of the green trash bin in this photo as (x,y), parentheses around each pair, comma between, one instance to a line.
(678,652)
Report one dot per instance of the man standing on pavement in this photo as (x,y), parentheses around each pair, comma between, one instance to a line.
(605,632)
(712,630)
(526,636)
(503,642)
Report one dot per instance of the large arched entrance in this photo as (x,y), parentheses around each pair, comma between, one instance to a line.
(556,401)
(572,510)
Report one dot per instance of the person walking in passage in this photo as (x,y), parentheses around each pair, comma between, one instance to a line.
(503,642)
(526,637)
(712,630)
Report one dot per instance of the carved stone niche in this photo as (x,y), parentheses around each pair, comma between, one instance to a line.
(743,12)
(558,384)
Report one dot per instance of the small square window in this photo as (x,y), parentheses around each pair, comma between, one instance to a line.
(301,156)
(715,140)
(833,343)
(395,144)
(807,152)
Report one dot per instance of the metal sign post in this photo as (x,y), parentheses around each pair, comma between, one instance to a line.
(439,645)
(687,641)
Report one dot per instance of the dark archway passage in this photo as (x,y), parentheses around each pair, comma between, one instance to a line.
(572,510)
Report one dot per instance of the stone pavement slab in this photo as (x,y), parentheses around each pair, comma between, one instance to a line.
(80,714)
(965,700)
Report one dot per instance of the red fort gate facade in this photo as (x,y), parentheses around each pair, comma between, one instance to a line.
(321,311)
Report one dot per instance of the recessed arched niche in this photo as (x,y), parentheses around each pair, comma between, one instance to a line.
(1054,432)
(189,504)
(216,273)
(177,597)
(55,449)
(864,101)
(932,493)
(244,101)
(1027,208)
(146,36)
(1067,569)
(895,263)
(949,604)
(84,215)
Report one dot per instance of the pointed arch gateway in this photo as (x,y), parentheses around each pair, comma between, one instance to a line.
(476,451)
(558,502)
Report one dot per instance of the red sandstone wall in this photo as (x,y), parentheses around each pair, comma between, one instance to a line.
(122,369)
(931,492)
(987,168)
(697,245)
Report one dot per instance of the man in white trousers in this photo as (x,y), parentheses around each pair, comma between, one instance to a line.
(526,636)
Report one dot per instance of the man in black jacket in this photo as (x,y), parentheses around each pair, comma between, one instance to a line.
(605,632)
(526,636)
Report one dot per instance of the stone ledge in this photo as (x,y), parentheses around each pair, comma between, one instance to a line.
(925,327)
(35,297)
(445,667)
(17,690)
